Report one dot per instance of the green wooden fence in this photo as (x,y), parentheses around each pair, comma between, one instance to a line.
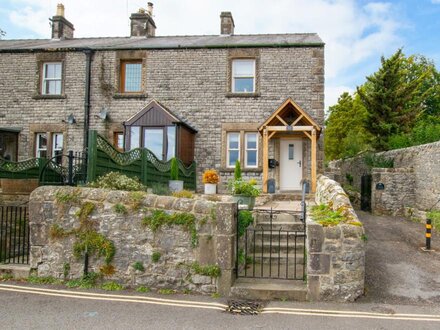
(139,163)
(29,169)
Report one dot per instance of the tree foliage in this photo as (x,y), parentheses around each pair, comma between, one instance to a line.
(398,106)
(393,99)
(345,128)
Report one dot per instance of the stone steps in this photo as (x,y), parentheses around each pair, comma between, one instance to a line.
(269,289)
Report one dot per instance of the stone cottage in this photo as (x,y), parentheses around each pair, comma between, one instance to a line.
(210,99)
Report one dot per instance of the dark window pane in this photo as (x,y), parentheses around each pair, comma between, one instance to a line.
(251,158)
(154,141)
(233,157)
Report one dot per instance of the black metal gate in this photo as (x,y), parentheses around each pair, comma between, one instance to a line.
(366,180)
(14,235)
(70,169)
(270,248)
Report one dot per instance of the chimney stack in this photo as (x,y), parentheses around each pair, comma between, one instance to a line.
(226,23)
(142,23)
(61,27)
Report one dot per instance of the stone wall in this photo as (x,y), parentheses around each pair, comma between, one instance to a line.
(398,190)
(421,165)
(215,226)
(336,260)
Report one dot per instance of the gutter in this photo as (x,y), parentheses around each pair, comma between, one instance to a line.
(89,54)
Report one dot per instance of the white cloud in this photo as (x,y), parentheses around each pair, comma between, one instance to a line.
(435,1)
(353,33)
(332,93)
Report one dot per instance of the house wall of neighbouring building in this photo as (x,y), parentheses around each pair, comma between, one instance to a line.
(192,83)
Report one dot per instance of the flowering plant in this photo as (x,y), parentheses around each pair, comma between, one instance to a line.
(210,176)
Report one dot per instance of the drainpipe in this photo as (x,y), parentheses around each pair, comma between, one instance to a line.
(89,53)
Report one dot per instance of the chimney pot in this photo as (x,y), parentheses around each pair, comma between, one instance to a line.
(60,10)
(150,8)
(226,23)
(61,27)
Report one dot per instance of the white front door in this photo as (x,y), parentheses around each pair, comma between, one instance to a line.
(291,163)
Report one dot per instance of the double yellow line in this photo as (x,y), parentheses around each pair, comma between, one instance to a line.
(350,314)
(112,297)
(215,306)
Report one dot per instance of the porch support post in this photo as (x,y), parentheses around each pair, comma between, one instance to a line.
(314,165)
(265,159)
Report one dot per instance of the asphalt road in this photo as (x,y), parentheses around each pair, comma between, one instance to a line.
(47,310)
(397,270)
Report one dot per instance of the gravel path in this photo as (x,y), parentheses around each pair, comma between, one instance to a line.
(397,270)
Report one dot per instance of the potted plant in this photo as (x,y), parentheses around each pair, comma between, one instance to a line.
(210,179)
(243,192)
(175,184)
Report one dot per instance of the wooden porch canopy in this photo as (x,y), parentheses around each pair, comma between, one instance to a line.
(287,121)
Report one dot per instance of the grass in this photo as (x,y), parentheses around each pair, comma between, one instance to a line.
(325,216)
(138,266)
(166,291)
(43,280)
(435,219)
(155,257)
(112,286)
(86,282)
(207,270)
(143,289)
(6,277)
(120,208)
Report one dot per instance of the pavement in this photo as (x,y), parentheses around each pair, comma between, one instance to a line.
(397,270)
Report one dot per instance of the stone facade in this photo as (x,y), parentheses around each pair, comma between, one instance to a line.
(194,83)
(336,254)
(414,182)
(215,224)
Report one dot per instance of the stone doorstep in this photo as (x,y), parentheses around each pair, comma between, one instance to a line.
(18,271)
(269,289)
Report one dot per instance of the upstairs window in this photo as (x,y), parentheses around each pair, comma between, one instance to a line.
(52,78)
(131,76)
(243,76)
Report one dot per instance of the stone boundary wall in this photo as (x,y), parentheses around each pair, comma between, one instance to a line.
(397,193)
(215,224)
(336,254)
(423,160)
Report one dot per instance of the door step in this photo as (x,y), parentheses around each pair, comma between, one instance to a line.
(269,289)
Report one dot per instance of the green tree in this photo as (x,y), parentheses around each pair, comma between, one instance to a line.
(393,100)
(345,133)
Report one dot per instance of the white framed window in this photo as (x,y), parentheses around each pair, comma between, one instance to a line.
(41,145)
(57,147)
(233,148)
(52,78)
(243,76)
(251,152)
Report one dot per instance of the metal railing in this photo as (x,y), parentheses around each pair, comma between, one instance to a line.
(268,250)
(14,235)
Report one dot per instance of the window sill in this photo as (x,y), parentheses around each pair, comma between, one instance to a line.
(49,97)
(245,95)
(130,95)
(243,170)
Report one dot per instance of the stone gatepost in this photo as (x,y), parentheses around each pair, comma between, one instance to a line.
(225,245)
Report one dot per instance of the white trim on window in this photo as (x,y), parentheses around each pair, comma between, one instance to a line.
(251,149)
(52,78)
(235,149)
(41,145)
(243,69)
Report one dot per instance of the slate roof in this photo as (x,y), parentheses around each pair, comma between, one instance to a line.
(165,42)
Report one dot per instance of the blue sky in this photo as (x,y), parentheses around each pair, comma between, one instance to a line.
(356,32)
